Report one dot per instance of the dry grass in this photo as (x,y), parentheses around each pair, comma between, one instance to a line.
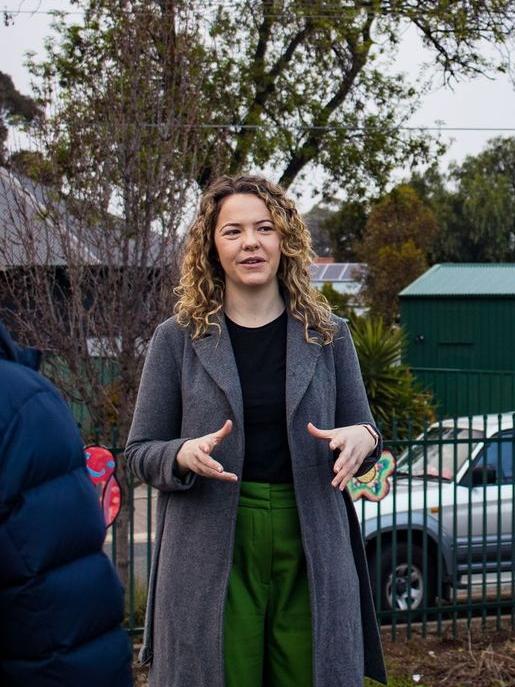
(475,658)
(140,676)
(483,668)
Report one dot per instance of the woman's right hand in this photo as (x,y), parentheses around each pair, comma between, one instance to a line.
(194,455)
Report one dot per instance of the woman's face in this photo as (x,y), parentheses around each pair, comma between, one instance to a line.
(247,242)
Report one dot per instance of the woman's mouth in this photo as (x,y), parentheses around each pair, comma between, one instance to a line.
(252,261)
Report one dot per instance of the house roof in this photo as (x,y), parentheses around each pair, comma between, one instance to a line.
(464,279)
(37,228)
(335,272)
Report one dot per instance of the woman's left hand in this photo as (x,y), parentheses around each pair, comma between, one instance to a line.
(355,444)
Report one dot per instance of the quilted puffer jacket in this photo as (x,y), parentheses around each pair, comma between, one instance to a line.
(61,603)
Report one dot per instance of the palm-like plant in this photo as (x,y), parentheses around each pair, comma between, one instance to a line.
(398,404)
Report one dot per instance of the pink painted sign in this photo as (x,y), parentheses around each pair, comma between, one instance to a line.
(101,465)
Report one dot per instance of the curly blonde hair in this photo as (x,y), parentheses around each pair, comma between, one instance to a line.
(202,283)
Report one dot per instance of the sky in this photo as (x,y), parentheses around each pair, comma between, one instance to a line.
(481,103)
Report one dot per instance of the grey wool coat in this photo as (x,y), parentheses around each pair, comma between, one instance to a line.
(188,389)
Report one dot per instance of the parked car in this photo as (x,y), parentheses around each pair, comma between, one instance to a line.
(448,520)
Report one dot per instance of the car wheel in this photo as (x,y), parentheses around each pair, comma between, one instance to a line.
(407,585)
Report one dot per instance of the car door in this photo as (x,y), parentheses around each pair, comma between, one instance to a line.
(489,511)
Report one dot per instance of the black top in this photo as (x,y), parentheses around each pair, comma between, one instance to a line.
(260,354)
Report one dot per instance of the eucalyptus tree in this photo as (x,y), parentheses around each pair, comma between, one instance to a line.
(474,203)
(398,236)
(15,108)
(286,85)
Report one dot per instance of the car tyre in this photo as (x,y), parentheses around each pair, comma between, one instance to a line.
(421,592)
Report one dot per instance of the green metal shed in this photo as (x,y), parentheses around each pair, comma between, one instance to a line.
(460,325)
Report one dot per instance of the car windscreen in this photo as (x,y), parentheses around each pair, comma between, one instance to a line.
(440,453)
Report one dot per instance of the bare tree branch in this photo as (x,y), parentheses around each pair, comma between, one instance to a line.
(309,149)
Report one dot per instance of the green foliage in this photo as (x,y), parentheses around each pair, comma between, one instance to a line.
(392,268)
(345,228)
(15,108)
(392,390)
(34,165)
(398,236)
(475,205)
(128,112)
(315,219)
(277,85)
(339,302)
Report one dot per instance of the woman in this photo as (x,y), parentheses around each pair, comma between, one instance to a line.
(251,418)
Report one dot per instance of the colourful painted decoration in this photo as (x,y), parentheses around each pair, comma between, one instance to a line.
(374,485)
(101,466)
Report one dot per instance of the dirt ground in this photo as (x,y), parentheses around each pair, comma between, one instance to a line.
(476,659)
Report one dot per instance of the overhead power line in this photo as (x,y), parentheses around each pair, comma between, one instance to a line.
(328,11)
(321,12)
(267,15)
(305,128)
(327,127)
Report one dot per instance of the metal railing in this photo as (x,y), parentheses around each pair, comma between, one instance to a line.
(440,545)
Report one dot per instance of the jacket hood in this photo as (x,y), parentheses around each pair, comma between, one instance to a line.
(10,350)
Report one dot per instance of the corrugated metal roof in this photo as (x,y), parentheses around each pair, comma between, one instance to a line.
(465,279)
(36,228)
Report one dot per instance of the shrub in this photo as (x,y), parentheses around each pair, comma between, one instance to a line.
(398,403)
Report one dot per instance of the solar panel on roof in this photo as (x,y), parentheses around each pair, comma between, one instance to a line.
(345,270)
(316,271)
(332,272)
(336,272)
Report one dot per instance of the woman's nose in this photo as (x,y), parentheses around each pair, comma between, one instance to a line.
(250,240)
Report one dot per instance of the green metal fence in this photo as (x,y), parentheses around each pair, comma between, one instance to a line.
(440,544)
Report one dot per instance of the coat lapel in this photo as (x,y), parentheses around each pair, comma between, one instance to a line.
(301,359)
(215,353)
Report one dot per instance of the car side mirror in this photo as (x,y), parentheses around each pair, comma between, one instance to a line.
(483,475)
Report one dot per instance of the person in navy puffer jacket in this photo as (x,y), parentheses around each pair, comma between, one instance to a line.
(61,603)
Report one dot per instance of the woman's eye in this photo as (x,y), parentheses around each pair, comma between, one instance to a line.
(266,227)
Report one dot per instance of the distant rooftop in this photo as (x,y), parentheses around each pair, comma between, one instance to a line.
(37,228)
(337,271)
(465,279)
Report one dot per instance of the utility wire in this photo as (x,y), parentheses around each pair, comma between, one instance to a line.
(153,125)
(215,4)
(328,127)
(268,15)
(328,12)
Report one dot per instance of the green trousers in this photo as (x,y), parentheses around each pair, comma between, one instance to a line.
(267,621)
